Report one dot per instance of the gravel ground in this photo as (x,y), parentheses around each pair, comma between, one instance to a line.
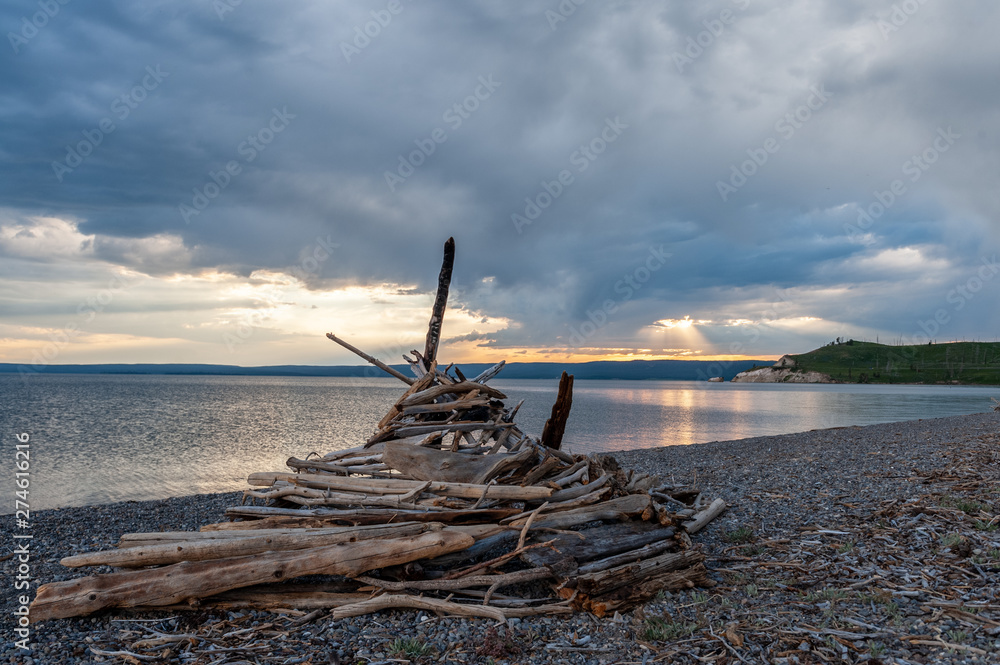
(870,544)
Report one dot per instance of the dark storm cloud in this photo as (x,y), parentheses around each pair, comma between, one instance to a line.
(308,117)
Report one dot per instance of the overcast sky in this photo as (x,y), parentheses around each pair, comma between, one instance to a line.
(216,181)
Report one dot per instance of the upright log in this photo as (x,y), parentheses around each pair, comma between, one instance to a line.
(440,301)
(555,426)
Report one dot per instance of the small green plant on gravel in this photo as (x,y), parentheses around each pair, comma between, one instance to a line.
(410,648)
(956,636)
(890,607)
(966,506)
(970,507)
(754,550)
(699,598)
(661,630)
(752,590)
(994,553)
(875,649)
(846,547)
(951,540)
(983,525)
(744,534)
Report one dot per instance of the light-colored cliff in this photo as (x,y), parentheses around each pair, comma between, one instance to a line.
(780,375)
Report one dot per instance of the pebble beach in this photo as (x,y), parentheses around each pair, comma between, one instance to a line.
(877,544)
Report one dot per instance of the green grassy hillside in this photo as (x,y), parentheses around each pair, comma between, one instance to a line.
(867,362)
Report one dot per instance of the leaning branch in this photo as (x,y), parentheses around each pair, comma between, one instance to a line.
(372,359)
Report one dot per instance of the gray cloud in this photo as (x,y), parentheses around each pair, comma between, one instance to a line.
(323,174)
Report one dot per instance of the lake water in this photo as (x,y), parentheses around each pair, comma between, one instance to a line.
(97,439)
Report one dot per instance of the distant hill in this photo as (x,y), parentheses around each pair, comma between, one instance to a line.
(868,362)
(671,370)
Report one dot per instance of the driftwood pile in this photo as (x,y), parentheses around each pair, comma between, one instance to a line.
(446,504)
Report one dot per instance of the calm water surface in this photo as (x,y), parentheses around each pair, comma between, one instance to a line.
(96,439)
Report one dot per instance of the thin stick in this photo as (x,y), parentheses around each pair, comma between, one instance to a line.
(373,360)
(497,561)
(527,525)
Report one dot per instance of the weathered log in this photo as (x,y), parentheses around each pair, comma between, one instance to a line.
(223,548)
(443,428)
(468,581)
(337,455)
(704,517)
(434,392)
(600,542)
(420,384)
(547,466)
(389,601)
(585,500)
(373,360)
(376,515)
(555,426)
(446,407)
(272,597)
(440,301)
(393,486)
(484,543)
(323,497)
(180,581)
(621,509)
(208,532)
(644,552)
(606,581)
(564,456)
(488,374)
(440,465)
(296,463)
(642,591)
(576,492)
(570,474)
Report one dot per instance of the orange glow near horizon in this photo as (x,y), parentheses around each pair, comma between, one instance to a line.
(468,353)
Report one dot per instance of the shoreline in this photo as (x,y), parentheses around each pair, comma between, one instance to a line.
(235,494)
(805,502)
